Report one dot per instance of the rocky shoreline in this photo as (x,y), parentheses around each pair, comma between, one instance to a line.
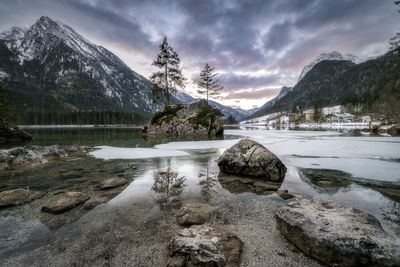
(31,156)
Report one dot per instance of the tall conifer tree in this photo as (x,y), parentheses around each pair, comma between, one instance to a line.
(208,85)
(170,74)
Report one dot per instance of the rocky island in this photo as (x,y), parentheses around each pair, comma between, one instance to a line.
(193,120)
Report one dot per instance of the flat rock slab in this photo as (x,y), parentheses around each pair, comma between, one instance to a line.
(337,236)
(17,196)
(112,183)
(249,158)
(203,245)
(66,202)
(195,213)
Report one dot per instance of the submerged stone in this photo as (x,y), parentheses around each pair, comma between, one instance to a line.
(249,158)
(195,213)
(17,196)
(337,236)
(93,202)
(203,245)
(66,202)
(112,183)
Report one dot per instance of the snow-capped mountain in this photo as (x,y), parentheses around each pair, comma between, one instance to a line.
(75,73)
(49,66)
(327,56)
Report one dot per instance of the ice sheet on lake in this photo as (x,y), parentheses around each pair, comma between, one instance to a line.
(197,145)
(107,152)
(364,168)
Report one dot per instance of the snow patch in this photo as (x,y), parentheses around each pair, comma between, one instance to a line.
(107,152)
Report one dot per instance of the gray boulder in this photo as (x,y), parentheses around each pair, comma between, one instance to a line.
(18,196)
(195,213)
(203,245)
(249,158)
(66,202)
(337,236)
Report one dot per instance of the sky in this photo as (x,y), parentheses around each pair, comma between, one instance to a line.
(256,46)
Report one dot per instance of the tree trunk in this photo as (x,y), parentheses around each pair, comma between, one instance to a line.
(166,83)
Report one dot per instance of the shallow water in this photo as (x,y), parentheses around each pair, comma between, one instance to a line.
(354,171)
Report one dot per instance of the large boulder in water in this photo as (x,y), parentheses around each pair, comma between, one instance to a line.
(203,245)
(337,236)
(249,158)
(194,120)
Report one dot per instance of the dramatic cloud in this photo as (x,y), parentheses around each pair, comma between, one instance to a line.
(257,46)
(254,94)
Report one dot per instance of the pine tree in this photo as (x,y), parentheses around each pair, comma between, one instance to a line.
(395,41)
(170,76)
(208,84)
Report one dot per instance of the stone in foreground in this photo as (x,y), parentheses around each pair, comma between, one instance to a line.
(112,183)
(203,245)
(66,202)
(195,213)
(17,196)
(337,236)
(249,158)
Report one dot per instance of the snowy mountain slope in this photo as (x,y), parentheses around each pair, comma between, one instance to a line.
(327,56)
(261,110)
(372,84)
(74,73)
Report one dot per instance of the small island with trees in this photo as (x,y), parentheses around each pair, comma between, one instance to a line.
(193,120)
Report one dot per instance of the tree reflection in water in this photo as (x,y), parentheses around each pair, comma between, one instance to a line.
(207,184)
(168,187)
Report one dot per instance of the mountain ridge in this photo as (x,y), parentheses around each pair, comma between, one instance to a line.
(374,83)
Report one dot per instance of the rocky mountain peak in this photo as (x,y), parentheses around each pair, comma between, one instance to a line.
(334,55)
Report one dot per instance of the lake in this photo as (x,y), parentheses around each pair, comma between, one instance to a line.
(355,171)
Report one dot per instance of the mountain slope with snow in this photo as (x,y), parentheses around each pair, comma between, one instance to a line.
(262,110)
(372,84)
(50,66)
(327,56)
